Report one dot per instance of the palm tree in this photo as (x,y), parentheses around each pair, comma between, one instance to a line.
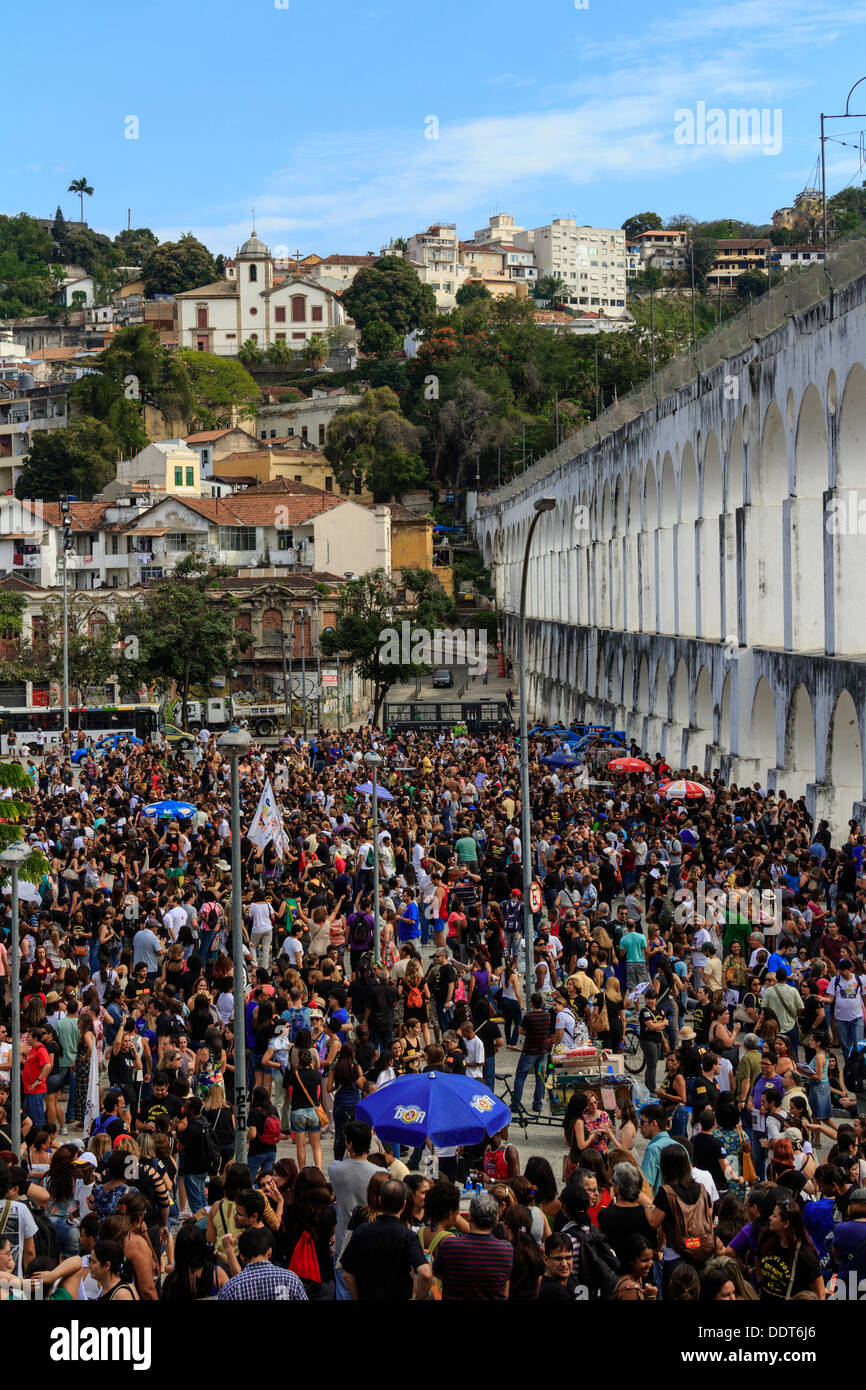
(250,354)
(81,187)
(315,351)
(279,353)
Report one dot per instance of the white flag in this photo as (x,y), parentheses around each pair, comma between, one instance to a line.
(91,1105)
(267,824)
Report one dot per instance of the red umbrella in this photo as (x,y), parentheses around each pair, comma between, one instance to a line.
(629,765)
(674,791)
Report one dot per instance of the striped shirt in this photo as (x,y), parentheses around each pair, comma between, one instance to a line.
(473,1268)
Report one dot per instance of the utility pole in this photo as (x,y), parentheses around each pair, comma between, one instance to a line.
(596,384)
(318,668)
(694,329)
(304,616)
(287,694)
(65,537)
(652,332)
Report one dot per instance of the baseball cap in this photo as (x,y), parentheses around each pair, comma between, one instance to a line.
(90,1159)
(582,963)
(516,892)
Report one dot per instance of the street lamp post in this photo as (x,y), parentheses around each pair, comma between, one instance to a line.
(64,543)
(374,762)
(235,744)
(543,504)
(13,858)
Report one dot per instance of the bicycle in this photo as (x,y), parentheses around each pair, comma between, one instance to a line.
(633,1058)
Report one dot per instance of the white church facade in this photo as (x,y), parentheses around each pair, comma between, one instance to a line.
(220,317)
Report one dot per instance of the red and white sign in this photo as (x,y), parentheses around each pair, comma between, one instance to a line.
(329,678)
(535,897)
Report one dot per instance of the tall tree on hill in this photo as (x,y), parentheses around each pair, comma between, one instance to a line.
(175,266)
(389,290)
(83,189)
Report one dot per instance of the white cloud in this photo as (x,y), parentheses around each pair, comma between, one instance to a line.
(347,190)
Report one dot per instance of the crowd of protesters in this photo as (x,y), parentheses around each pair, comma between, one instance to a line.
(738,1173)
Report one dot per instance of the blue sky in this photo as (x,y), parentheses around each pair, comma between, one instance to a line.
(316,113)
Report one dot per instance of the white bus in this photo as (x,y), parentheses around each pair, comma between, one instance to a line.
(94,721)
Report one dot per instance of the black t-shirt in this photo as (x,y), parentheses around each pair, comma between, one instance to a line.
(383,997)
(488,1032)
(618,1223)
(312,1080)
(705,1093)
(256,1121)
(154,1107)
(701,1019)
(708,1154)
(359,993)
(650,1014)
(191,1141)
(382,1256)
(440,980)
(549,1291)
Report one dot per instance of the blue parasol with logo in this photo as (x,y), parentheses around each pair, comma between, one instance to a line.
(434,1105)
(382,793)
(169,810)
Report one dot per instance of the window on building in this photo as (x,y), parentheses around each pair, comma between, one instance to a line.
(279,313)
(201,318)
(177,541)
(282,336)
(285,540)
(190,475)
(236,537)
(329,483)
(316,313)
(298,478)
(321,434)
(254,272)
(243,622)
(178,477)
(299,308)
(304,431)
(273,434)
(264,434)
(254,337)
(299,335)
(254,311)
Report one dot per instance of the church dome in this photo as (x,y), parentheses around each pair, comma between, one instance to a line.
(254,247)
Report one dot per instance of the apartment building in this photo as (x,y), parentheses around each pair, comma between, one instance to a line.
(734,256)
(663,250)
(435,254)
(590,261)
(501,227)
(26,408)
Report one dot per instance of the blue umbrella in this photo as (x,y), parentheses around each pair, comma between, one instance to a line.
(171,810)
(381,793)
(434,1105)
(560,760)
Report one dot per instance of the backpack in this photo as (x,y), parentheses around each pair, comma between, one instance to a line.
(414,999)
(45,1238)
(271,1130)
(596,1266)
(210,1148)
(693,1236)
(305,1261)
(100,1124)
(360,932)
(298,1021)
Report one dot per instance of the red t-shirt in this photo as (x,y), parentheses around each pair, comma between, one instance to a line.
(37,1058)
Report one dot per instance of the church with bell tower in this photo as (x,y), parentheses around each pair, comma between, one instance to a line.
(256,306)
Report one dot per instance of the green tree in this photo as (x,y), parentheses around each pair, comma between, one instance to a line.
(175,266)
(471,290)
(367,607)
(374,443)
(21,665)
(641,222)
(133,372)
(751,284)
(250,354)
(340,336)
(222,390)
(81,458)
(135,244)
(378,338)
(549,287)
(185,637)
(92,645)
(389,290)
(315,352)
(83,189)
(280,354)
(17,809)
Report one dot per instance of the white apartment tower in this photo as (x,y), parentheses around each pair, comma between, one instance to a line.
(590,261)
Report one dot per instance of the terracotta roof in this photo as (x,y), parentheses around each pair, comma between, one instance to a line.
(552,316)
(347,260)
(205,436)
(224,289)
(14,581)
(242,509)
(399,513)
(59,354)
(285,486)
(83,516)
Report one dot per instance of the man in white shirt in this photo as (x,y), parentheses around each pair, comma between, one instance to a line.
(474,1050)
(173,918)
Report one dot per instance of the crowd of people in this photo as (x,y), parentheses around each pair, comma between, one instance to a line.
(736,1170)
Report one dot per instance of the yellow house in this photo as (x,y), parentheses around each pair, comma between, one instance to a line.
(412,545)
(167,465)
(296,464)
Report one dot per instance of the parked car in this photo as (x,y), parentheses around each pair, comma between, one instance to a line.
(442,678)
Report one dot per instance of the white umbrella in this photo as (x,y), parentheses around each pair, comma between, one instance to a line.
(27,892)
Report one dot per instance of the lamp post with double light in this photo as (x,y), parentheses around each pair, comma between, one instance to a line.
(234,744)
(374,762)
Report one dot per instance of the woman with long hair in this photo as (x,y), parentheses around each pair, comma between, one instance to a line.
(787,1263)
(527,1264)
(585,1125)
(307,1232)
(86,1044)
(511,1003)
(210,1062)
(62,1208)
(345,1082)
(195,1276)
(220,1116)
